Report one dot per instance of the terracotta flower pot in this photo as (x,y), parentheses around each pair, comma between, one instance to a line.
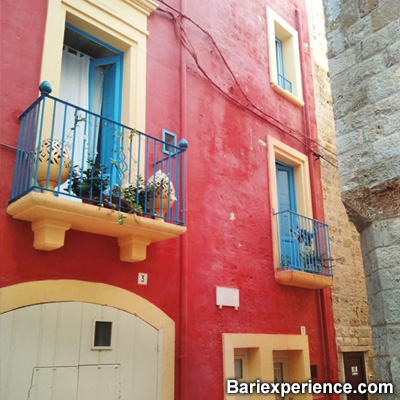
(157,205)
(160,183)
(58,156)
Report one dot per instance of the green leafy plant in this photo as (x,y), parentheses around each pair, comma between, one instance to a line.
(285,262)
(311,260)
(132,196)
(121,219)
(306,260)
(91,182)
(310,257)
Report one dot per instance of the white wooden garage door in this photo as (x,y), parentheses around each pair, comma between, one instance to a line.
(49,352)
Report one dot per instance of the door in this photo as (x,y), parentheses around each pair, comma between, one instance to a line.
(91,79)
(107,141)
(58,351)
(85,382)
(354,371)
(289,247)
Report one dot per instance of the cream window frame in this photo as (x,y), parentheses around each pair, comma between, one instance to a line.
(261,357)
(243,355)
(278,151)
(120,23)
(282,357)
(112,344)
(278,27)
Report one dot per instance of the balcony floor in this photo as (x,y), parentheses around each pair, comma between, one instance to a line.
(302,279)
(52,216)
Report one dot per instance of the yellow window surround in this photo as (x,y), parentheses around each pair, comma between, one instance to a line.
(260,349)
(278,151)
(278,27)
(120,23)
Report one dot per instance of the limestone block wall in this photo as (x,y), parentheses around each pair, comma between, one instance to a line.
(364,59)
(364,63)
(349,296)
(380,244)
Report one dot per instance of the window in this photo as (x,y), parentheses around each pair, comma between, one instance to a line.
(242,364)
(280,67)
(287,221)
(122,26)
(102,335)
(288,180)
(284,58)
(286,187)
(239,368)
(111,38)
(242,368)
(91,78)
(281,370)
(270,358)
(169,138)
(300,243)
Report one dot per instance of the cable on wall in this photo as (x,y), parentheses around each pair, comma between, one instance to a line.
(177,16)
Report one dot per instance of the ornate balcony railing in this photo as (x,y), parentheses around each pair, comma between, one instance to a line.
(73,153)
(303,244)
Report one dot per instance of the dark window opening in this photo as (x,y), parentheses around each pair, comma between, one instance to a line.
(102,334)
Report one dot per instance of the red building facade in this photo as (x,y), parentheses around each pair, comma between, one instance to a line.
(233,80)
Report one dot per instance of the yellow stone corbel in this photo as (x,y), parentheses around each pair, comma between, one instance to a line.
(49,234)
(132,248)
(51,216)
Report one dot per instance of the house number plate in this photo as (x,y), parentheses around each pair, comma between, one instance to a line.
(142,278)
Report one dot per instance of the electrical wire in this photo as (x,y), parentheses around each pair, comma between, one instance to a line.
(186,43)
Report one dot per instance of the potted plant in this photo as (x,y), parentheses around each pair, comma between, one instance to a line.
(131,196)
(161,191)
(311,261)
(91,183)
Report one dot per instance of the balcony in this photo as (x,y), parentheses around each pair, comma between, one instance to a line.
(304,255)
(78,170)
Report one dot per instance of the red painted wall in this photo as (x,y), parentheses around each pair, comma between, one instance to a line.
(226,173)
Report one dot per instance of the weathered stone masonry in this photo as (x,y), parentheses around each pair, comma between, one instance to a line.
(350,305)
(364,51)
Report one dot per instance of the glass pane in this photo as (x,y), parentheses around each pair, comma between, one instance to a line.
(102,334)
(238,368)
(284,200)
(278,376)
(278,372)
(171,140)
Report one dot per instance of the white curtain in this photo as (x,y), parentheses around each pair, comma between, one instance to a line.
(79,142)
(74,88)
(97,101)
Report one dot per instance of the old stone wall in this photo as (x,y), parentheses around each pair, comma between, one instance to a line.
(364,63)
(380,244)
(364,51)
(350,306)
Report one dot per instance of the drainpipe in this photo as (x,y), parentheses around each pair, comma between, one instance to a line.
(321,300)
(183,238)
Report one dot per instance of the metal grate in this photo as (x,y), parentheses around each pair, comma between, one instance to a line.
(60,151)
(303,244)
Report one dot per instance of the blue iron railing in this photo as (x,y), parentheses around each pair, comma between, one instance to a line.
(74,153)
(303,244)
(285,83)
